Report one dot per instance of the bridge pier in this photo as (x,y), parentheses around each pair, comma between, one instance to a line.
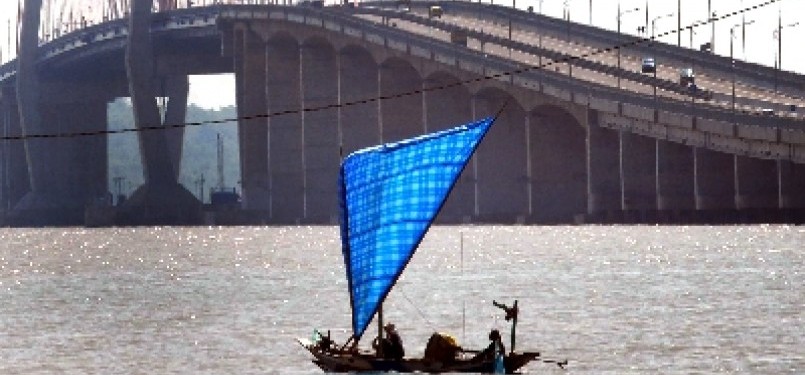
(400,117)
(443,109)
(756,183)
(558,165)
(714,185)
(285,147)
(176,89)
(638,176)
(78,164)
(321,133)
(502,181)
(249,57)
(675,181)
(47,203)
(359,121)
(603,163)
(14,181)
(791,179)
(161,200)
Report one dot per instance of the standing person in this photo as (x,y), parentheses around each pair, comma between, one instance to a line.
(495,347)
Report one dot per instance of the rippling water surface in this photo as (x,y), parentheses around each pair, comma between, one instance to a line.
(611,299)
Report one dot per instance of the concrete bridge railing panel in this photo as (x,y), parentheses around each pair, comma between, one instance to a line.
(758,133)
(604,105)
(637,112)
(715,127)
(798,154)
(687,137)
(792,136)
(675,119)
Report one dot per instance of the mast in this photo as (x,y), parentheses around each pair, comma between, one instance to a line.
(380,330)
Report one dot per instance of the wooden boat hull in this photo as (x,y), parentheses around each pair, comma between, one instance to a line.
(342,361)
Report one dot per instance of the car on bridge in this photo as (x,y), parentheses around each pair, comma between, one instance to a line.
(649,66)
(686,77)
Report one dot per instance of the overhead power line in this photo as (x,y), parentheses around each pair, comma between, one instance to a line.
(394,96)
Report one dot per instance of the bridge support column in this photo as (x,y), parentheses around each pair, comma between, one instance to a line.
(756,183)
(44,203)
(359,121)
(558,165)
(285,139)
(502,171)
(14,180)
(400,117)
(791,179)
(443,109)
(321,135)
(80,166)
(715,185)
(603,180)
(675,182)
(176,89)
(250,77)
(638,176)
(161,200)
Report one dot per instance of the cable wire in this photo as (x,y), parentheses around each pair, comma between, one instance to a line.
(393,96)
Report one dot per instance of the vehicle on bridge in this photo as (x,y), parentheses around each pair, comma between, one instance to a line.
(686,77)
(435,11)
(649,66)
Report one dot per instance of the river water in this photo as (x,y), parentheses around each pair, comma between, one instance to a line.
(611,299)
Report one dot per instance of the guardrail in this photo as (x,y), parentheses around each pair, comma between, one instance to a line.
(555,56)
(751,71)
(558,84)
(333,20)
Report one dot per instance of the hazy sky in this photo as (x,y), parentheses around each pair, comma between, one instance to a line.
(761,47)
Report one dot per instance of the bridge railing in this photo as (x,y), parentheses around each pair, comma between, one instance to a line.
(554,56)
(444,52)
(490,66)
(793,82)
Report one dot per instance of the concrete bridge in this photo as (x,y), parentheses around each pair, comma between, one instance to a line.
(580,140)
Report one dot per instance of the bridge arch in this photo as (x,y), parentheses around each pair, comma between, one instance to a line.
(557,163)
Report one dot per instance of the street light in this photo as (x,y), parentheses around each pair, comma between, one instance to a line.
(732,60)
(540,35)
(620,43)
(655,19)
(778,34)
(653,28)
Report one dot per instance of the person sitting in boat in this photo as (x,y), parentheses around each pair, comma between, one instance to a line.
(495,344)
(391,346)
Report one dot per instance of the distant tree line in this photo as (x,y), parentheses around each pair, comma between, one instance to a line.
(199,154)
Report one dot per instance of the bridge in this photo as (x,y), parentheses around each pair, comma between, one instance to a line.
(584,136)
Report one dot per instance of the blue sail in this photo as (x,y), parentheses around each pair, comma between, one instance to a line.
(390,195)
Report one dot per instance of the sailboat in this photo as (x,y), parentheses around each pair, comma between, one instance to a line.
(389,196)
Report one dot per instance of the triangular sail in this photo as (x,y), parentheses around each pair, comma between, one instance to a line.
(390,195)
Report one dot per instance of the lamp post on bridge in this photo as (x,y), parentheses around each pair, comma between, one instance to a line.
(732,60)
(653,29)
(778,34)
(620,43)
(654,21)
